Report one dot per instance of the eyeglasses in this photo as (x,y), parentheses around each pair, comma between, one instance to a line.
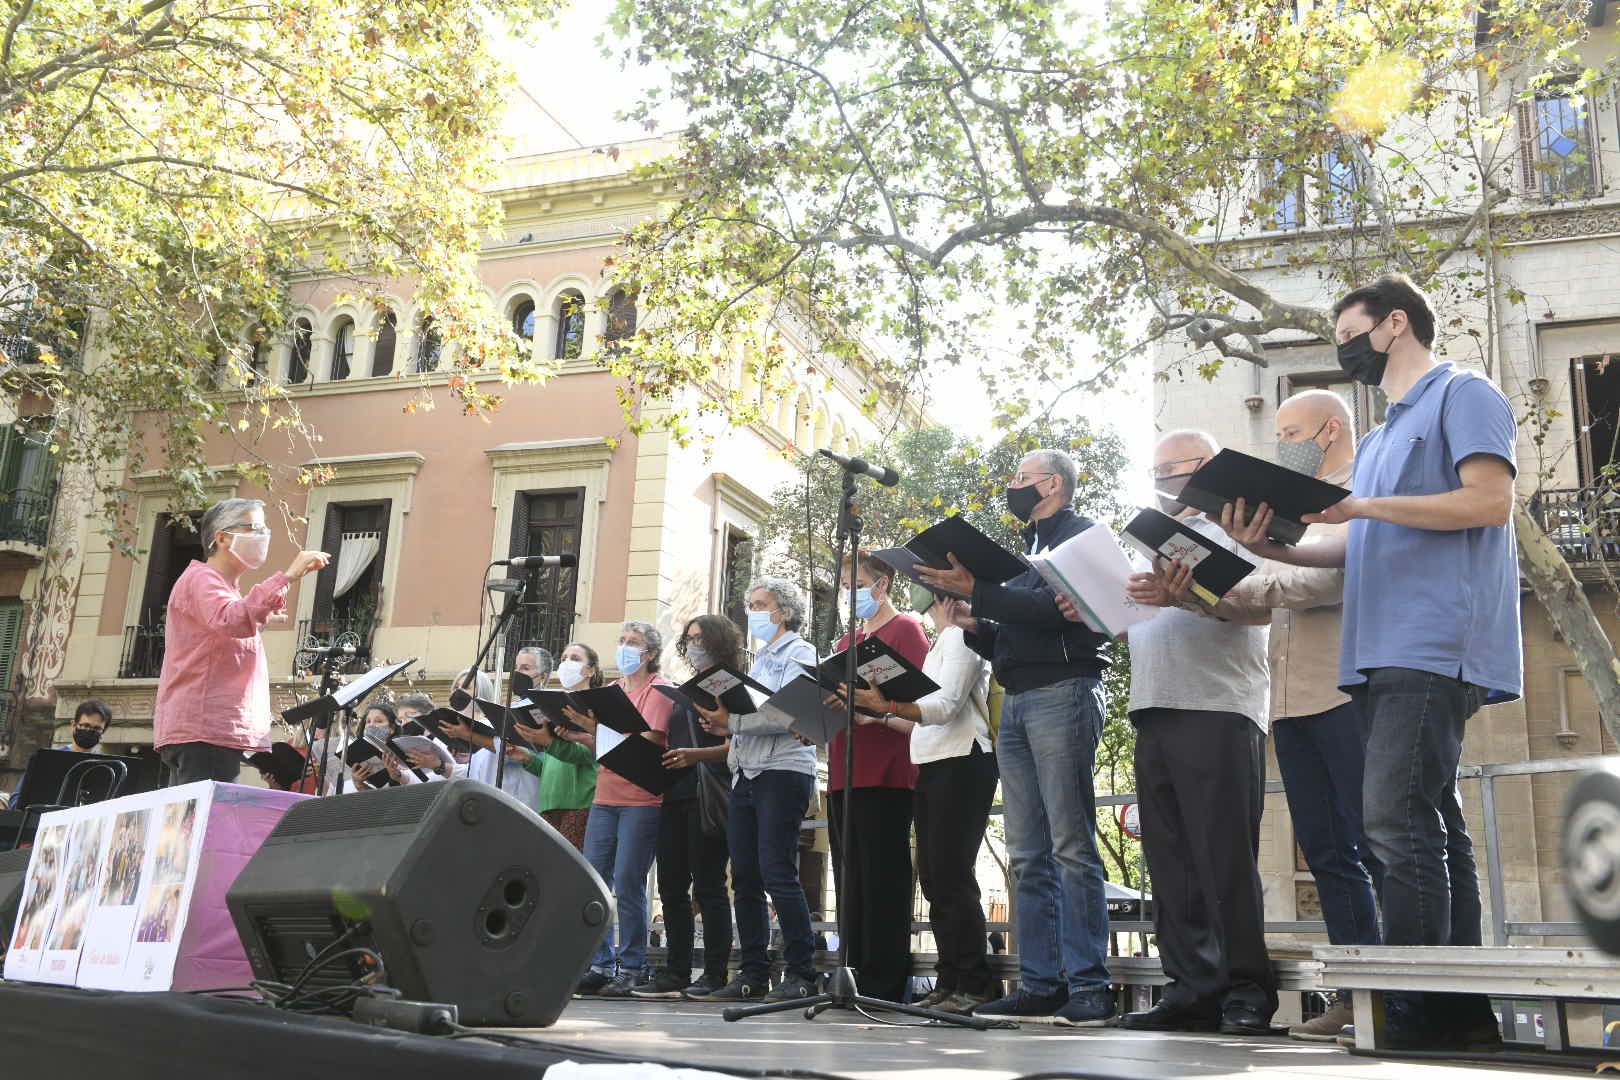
(1024,478)
(1172,469)
(251,530)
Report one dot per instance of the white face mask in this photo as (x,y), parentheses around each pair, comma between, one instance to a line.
(252,549)
(570,673)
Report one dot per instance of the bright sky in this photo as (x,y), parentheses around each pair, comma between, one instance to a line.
(570,92)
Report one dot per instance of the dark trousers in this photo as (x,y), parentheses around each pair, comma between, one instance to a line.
(874,885)
(952,807)
(193,761)
(1415,721)
(1320,758)
(766,815)
(1200,777)
(692,865)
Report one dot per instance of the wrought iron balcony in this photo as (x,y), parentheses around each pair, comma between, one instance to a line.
(1584,523)
(143,652)
(25,515)
(336,631)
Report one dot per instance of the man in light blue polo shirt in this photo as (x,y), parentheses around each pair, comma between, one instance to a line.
(1431,617)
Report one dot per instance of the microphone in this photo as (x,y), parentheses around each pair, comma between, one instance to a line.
(534,562)
(882,474)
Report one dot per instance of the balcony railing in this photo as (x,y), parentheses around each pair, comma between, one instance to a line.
(19,348)
(143,652)
(25,515)
(329,631)
(1584,523)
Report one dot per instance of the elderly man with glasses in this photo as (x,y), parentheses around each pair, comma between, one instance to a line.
(1051,720)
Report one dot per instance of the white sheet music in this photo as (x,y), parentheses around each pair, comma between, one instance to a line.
(354,690)
(1092,570)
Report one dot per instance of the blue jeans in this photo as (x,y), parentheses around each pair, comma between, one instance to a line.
(1320,758)
(620,842)
(1046,752)
(767,813)
(1415,722)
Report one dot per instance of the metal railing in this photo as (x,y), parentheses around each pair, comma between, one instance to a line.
(142,657)
(1583,523)
(1501,928)
(25,515)
(328,630)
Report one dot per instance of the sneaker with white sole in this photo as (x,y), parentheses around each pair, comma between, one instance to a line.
(740,988)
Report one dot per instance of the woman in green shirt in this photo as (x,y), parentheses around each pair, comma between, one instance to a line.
(566,768)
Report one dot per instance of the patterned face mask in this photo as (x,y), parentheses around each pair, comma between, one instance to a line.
(1304,456)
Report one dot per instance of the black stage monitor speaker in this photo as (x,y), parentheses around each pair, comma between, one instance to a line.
(467,895)
(13,868)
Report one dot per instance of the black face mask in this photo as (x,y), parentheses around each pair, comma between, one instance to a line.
(86,738)
(1022,501)
(1361,361)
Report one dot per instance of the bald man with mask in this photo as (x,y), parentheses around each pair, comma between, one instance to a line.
(1316,728)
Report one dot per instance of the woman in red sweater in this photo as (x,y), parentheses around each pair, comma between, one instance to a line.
(875,874)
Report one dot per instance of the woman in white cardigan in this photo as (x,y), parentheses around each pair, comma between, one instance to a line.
(956,783)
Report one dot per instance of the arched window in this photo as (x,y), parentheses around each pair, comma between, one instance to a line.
(261,353)
(621,316)
(523,319)
(428,347)
(303,342)
(570,325)
(382,357)
(342,349)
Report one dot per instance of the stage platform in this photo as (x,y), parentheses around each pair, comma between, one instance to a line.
(75,1033)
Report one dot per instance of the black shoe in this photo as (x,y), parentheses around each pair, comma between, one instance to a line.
(665,984)
(1088,1008)
(703,988)
(741,988)
(591,984)
(1169,1017)
(1244,1018)
(622,987)
(792,986)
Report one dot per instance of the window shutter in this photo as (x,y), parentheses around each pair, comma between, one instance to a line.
(326,578)
(11,618)
(1527,148)
(154,601)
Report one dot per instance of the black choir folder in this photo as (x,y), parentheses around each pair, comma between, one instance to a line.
(876,664)
(954,536)
(1231,475)
(634,757)
(719,685)
(1215,569)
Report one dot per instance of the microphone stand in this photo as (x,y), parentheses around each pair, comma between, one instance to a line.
(515,600)
(328,684)
(842,991)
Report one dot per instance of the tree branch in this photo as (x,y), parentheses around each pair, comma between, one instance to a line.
(11,30)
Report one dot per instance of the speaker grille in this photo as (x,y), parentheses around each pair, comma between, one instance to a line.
(400,807)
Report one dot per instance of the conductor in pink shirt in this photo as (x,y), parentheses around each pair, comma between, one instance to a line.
(213,699)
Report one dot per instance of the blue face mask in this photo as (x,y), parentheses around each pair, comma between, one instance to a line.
(761,626)
(629,659)
(865,605)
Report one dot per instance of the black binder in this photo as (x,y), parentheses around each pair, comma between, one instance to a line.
(981,555)
(1215,569)
(637,759)
(876,664)
(718,685)
(800,700)
(434,720)
(364,750)
(1231,475)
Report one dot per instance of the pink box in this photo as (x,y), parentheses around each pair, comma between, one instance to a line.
(210,955)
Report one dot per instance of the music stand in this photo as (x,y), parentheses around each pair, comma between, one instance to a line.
(341,699)
(842,991)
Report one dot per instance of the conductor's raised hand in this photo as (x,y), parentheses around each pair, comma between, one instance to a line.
(958,579)
(305,561)
(715,721)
